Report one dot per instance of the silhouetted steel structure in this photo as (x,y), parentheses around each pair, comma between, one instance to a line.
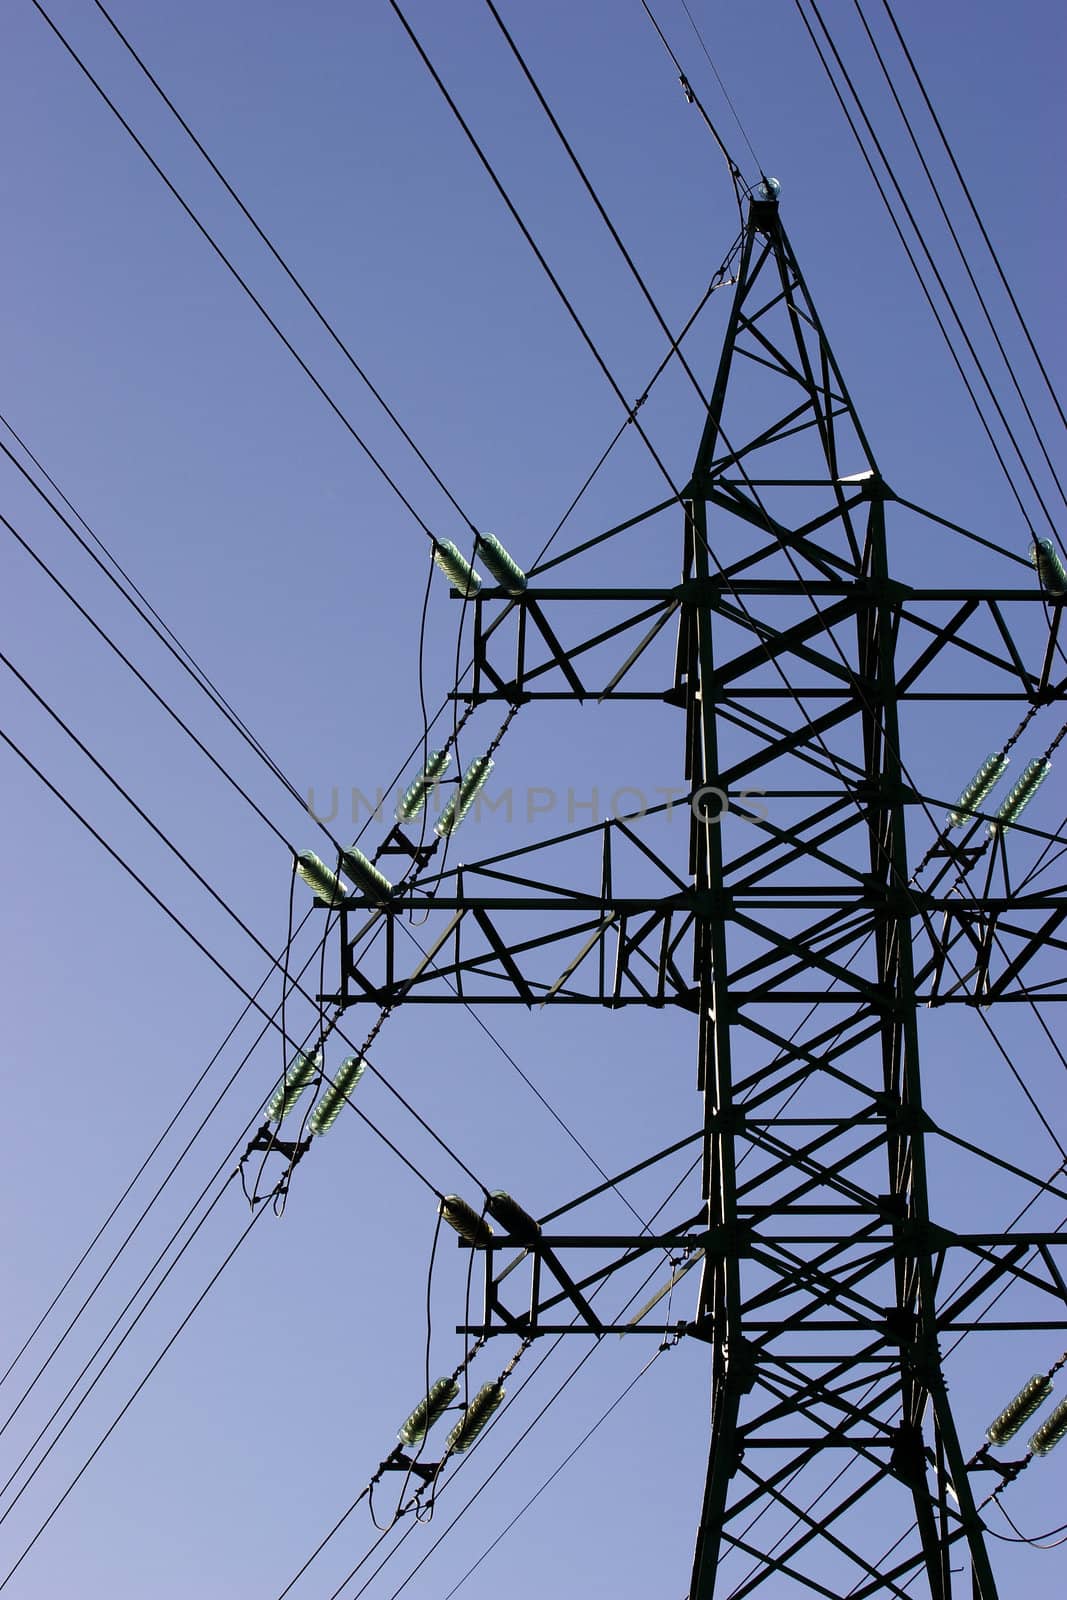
(802,944)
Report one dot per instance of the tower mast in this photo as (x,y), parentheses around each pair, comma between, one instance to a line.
(803,942)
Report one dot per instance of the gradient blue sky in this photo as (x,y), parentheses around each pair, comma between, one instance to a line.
(185,434)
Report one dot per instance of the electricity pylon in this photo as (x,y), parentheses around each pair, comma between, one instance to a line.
(803,943)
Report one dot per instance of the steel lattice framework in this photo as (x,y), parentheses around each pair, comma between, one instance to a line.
(802,945)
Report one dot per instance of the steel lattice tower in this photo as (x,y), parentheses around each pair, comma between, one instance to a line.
(803,945)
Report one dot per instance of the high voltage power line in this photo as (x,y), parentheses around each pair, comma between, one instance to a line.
(226,261)
(272,765)
(925,250)
(923,242)
(925,247)
(569,307)
(552,1347)
(993,254)
(341,416)
(309,960)
(705,1567)
(961,253)
(256,744)
(631,411)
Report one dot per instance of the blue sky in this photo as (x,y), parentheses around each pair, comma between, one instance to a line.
(190,441)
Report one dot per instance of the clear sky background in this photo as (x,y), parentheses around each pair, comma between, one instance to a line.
(186,435)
